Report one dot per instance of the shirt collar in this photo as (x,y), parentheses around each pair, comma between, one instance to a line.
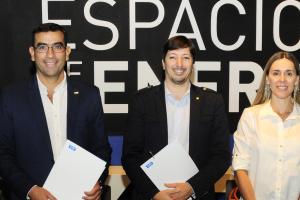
(267,111)
(169,93)
(171,100)
(60,87)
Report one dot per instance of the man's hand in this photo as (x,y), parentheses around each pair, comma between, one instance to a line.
(164,195)
(177,191)
(94,194)
(182,191)
(39,193)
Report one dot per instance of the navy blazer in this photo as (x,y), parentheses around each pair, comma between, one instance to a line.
(148,132)
(26,156)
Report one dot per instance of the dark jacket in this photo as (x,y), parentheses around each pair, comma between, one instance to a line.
(26,156)
(208,140)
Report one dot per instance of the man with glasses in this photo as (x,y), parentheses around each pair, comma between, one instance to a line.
(38,116)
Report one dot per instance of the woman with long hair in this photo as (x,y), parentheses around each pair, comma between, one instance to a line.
(266,156)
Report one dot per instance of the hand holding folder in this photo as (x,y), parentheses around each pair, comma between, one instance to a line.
(75,171)
(172,164)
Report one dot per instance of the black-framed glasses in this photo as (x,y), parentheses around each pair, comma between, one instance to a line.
(56,47)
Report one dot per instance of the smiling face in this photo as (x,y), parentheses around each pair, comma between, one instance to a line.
(178,66)
(50,64)
(282,78)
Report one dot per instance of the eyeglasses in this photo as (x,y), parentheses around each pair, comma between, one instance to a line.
(56,47)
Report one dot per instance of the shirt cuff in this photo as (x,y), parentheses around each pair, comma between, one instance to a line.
(193,192)
(27,197)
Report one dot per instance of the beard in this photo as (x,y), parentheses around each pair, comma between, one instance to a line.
(180,81)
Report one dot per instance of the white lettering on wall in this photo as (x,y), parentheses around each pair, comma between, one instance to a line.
(146,76)
(276,25)
(69,72)
(259,18)
(214,25)
(97,22)
(205,66)
(100,67)
(235,87)
(45,14)
(133,24)
(185,5)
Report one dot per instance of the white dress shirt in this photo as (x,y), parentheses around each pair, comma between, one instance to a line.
(269,149)
(178,116)
(56,114)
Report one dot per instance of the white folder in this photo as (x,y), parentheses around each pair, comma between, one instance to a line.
(75,171)
(172,164)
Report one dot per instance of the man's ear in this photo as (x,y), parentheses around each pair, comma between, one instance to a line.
(31,52)
(163,64)
(68,52)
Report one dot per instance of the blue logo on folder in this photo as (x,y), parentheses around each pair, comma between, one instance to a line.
(72,147)
(149,164)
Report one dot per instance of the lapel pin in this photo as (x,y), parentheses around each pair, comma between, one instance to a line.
(197,98)
(76,92)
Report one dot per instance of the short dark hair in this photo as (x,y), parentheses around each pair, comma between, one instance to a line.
(179,42)
(46,27)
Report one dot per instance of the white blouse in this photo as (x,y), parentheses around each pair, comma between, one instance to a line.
(269,149)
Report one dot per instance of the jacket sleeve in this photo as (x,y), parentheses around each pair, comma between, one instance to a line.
(134,152)
(219,155)
(98,140)
(9,170)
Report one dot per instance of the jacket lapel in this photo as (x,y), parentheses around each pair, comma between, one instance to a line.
(160,96)
(195,108)
(39,114)
(73,99)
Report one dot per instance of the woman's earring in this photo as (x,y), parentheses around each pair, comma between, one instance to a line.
(295,93)
(267,93)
